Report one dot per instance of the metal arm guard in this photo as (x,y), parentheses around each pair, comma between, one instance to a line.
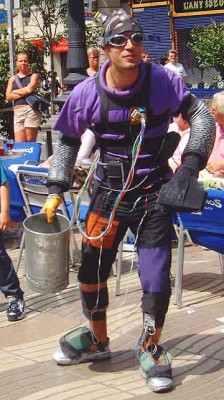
(202,125)
(63,161)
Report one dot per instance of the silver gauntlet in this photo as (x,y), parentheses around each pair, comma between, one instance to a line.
(202,130)
(63,161)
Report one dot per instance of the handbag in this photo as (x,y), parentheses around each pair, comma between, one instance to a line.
(34,100)
(37,102)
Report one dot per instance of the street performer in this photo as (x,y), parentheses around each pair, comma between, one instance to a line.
(128,105)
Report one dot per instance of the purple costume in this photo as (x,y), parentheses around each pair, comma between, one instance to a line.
(167,93)
(108,113)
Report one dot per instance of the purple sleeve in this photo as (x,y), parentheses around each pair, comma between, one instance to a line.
(79,110)
(171,89)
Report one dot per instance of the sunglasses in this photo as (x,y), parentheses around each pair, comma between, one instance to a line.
(121,40)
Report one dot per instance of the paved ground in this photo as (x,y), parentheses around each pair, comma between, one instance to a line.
(194,334)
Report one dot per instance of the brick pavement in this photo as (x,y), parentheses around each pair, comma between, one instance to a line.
(194,335)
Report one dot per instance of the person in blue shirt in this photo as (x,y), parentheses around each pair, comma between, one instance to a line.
(9,282)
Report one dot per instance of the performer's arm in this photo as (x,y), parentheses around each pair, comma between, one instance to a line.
(183,193)
(202,130)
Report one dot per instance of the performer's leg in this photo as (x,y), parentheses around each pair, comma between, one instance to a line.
(98,258)
(154,249)
(95,304)
(100,330)
(89,344)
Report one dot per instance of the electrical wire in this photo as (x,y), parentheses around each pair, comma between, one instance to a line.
(95,339)
(135,153)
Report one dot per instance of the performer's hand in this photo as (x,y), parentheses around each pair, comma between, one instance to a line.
(50,207)
(183,192)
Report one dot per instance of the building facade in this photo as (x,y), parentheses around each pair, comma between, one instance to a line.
(167,24)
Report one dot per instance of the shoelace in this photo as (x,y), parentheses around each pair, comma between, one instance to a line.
(13,306)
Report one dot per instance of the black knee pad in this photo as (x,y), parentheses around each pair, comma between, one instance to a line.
(94,301)
(156,304)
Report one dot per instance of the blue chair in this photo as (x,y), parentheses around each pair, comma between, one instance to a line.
(30,151)
(17,204)
(205,229)
(32,183)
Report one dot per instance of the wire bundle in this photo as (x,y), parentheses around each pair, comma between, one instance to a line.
(135,153)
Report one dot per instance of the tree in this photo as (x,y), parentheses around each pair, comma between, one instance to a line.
(207,44)
(47,15)
(92,35)
(50,18)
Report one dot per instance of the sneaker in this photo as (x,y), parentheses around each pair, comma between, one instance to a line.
(155,367)
(16,309)
(75,348)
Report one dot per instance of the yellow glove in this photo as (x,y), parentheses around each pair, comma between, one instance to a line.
(51,205)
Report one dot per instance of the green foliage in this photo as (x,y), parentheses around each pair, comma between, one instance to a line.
(47,16)
(4,65)
(207,44)
(92,35)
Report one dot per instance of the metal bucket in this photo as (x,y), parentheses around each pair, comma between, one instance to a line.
(46,253)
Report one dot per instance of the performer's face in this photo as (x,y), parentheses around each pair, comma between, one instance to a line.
(128,55)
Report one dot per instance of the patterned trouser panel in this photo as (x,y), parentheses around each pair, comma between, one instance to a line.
(154,251)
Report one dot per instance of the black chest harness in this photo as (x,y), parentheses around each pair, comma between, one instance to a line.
(116,152)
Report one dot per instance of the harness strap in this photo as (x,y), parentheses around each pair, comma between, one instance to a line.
(108,102)
(112,102)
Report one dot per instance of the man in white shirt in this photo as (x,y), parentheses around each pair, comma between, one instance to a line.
(173,65)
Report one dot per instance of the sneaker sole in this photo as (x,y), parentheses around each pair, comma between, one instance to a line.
(61,359)
(157,385)
(14,318)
